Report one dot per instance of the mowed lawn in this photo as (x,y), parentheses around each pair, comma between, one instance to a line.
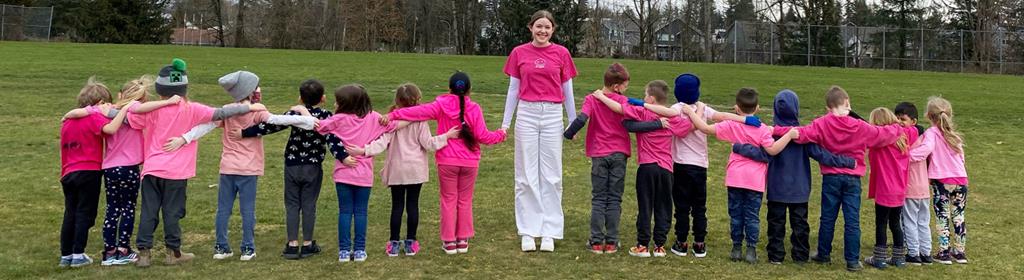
(39,82)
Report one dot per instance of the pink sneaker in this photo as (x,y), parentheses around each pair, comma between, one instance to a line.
(411,247)
(462,246)
(449,248)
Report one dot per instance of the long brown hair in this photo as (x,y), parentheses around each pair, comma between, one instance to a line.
(406,95)
(882,116)
(543,14)
(352,99)
(940,113)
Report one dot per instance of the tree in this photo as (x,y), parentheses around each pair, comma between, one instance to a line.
(903,15)
(113,21)
(218,16)
(740,10)
(645,14)
(511,18)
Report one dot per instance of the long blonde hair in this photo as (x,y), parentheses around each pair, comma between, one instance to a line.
(940,113)
(135,90)
(882,116)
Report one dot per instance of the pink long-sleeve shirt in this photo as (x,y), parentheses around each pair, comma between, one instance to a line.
(945,162)
(406,162)
(889,171)
(445,109)
(847,136)
(355,131)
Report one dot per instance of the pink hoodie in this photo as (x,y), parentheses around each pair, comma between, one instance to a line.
(355,131)
(849,137)
(889,171)
(445,109)
(945,162)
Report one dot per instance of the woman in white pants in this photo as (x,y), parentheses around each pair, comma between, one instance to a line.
(540,86)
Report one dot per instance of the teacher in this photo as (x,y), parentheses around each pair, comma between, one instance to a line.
(540,85)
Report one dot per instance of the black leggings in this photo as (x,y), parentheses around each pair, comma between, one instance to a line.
(405,198)
(890,216)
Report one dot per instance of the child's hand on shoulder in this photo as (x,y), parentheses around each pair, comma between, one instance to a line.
(173,144)
(598,93)
(174,99)
(385,119)
(355,151)
(235,133)
(664,122)
(256,107)
(301,109)
(453,133)
(350,162)
(794,133)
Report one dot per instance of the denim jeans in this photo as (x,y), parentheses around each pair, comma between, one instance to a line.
(744,220)
(352,204)
(244,187)
(840,192)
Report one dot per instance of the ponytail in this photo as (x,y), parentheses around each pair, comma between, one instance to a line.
(882,116)
(464,132)
(940,113)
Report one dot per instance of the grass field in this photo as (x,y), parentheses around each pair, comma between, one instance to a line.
(38,83)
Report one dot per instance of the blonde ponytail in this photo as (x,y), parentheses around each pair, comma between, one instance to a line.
(135,90)
(940,113)
(882,116)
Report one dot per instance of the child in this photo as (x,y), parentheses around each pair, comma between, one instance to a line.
(944,146)
(654,175)
(303,172)
(459,161)
(744,178)
(405,169)
(888,186)
(81,156)
(355,123)
(608,146)
(916,217)
(789,181)
(841,134)
(165,174)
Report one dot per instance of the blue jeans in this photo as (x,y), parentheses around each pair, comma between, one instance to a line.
(352,202)
(840,191)
(744,220)
(244,187)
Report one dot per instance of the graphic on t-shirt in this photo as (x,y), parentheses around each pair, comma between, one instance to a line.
(539,63)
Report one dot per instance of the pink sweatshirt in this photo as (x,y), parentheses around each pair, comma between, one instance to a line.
(163,123)
(406,162)
(945,162)
(242,156)
(848,137)
(889,170)
(605,133)
(355,131)
(445,109)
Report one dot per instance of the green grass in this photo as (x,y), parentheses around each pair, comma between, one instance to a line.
(38,83)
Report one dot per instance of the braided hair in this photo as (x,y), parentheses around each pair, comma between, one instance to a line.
(459,85)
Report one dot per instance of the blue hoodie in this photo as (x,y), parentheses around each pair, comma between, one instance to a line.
(789,172)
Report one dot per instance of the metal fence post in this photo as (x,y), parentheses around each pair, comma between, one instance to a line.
(883,48)
(921,50)
(49,26)
(846,52)
(808,45)
(771,44)
(1002,42)
(735,29)
(3,21)
(961,50)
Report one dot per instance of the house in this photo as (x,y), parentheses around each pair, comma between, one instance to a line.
(668,41)
(619,37)
(194,36)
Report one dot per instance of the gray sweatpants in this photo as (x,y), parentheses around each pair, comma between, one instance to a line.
(301,191)
(607,176)
(164,197)
(916,218)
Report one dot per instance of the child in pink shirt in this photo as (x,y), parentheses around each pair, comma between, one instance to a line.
(654,175)
(916,208)
(942,145)
(745,178)
(405,169)
(888,186)
(458,162)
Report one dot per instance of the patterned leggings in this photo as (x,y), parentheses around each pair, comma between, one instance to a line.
(122,193)
(949,212)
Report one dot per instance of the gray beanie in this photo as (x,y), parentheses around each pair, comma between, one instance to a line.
(239,84)
(172,79)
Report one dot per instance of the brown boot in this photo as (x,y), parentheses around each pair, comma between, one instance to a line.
(175,257)
(144,258)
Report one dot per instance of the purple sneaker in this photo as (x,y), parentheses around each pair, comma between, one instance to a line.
(411,247)
(393,247)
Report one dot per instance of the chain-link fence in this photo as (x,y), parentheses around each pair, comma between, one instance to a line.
(999,51)
(22,23)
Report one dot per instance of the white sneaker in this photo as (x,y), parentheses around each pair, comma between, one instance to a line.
(246,256)
(220,254)
(529,245)
(547,244)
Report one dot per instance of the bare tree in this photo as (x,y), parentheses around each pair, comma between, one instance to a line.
(240,25)
(645,14)
(218,15)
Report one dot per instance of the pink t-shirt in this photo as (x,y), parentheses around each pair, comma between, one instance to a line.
(742,172)
(887,183)
(124,147)
(605,133)
(161,124)
(81,143)
(692,149)
(242,156)
(358,132)
(541,71)
(656,146)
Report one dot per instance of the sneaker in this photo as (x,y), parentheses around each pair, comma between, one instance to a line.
(596,247)
(736,254)
(65,261)
(144,258)
(639,251)
(960,257)
(854,267)
(821,259)
(611,248)
(659,251)
(876,262)
(127,257)
(699,250)
(462,246)
(450,248)
(411,247)
(392,248)
(110,258)
(309,250)
(529,245)
(175,257)
(359,256)
(751,256)
(913,260)
(926,259)
(344,256)
(80,262)
(943,257)
(898,262)
(680,248)
(247,254)
(775,262)
(290,252)
(547,244)
(220,253)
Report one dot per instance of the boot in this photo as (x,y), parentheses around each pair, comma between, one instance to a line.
(880,258)
(144,258)
(751,256)
(899,257)
(175,256)
(737,253)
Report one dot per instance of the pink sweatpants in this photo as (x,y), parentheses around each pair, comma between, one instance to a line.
(457,185)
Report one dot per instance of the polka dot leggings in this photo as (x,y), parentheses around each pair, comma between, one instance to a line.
(122,184)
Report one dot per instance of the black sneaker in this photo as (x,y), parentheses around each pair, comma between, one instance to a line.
(737,253)
(821,259)
(309,250)
(699,250)
(960,257)
(854,267)
(913,260)
(290,252)
(680,248)
(926,259)
(943,257)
